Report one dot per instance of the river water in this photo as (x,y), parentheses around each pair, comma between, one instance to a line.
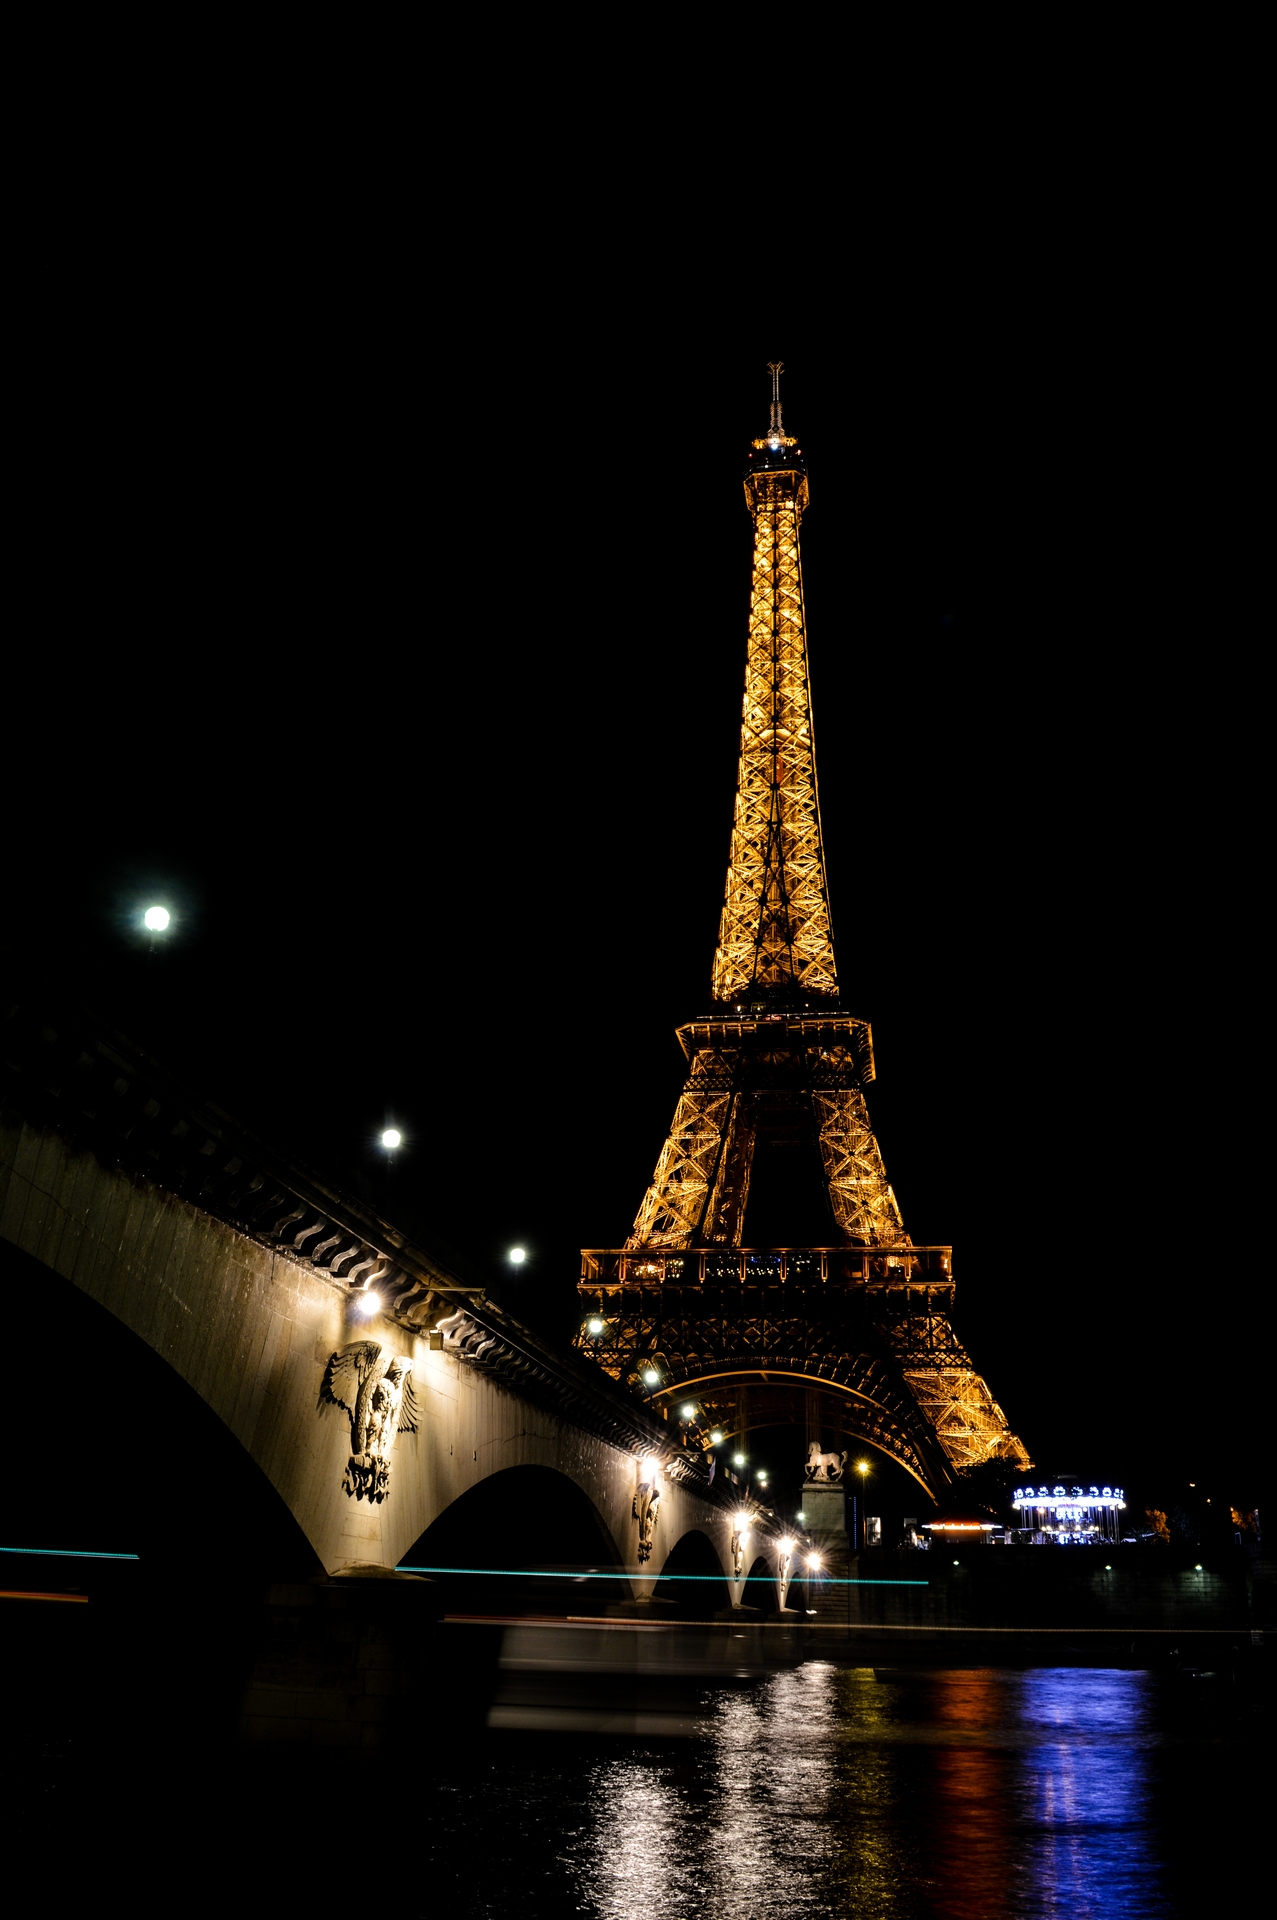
(819,1791)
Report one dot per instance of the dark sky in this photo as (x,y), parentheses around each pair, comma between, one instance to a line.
(409,672)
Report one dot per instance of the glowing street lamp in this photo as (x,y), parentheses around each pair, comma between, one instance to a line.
(738,1459)
(391,1139)
(862,1467)
(594,1326)
(814,1562)
(517,1256)
(716,1438)
(156,919)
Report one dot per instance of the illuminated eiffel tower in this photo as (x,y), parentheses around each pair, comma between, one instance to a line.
(841,1323)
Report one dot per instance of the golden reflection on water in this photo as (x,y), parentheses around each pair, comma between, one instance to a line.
(822,1792)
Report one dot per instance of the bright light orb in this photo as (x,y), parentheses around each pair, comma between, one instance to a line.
(517,1256)
(155,919)
(651,1378)
(594,1326)
(689,1413)
(716,1438)
(649,1467)
(813,1561)
(391,1139)
(786,1546)
(862,1466)
(368,1303)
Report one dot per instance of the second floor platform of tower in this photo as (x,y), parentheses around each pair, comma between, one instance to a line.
(902,1267)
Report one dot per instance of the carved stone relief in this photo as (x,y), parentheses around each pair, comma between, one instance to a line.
(647,1500)
(740,1547)
(375,1389)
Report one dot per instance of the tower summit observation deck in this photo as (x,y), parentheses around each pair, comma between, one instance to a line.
(830,1315)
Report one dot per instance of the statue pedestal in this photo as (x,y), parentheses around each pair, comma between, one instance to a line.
(825,1509)
(825,1521)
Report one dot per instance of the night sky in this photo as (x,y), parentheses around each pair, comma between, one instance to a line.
(411,682)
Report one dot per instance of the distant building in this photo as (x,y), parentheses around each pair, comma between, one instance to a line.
(962,1527)
(1068,1516)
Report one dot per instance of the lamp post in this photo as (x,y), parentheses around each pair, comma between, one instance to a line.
(862,1468)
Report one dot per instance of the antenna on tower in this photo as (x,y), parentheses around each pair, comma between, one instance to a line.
(776,430)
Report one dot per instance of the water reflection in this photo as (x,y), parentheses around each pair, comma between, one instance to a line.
(1082,1793)
(821,1792)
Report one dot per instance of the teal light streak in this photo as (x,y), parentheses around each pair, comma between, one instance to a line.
(759,1579)
(69,1553)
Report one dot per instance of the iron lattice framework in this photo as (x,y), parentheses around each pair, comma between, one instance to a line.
(864,1321)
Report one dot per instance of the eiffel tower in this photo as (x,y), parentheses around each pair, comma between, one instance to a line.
(840,1324)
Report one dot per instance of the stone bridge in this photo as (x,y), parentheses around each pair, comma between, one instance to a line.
(246,1276)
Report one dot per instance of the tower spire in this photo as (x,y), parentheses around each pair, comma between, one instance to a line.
(774,937)
(776,431)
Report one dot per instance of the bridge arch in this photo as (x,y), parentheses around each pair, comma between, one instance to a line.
(134,1459)
(693,1577)
(526,1538)
(761,1585)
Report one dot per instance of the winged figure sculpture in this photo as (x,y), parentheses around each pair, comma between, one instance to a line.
(375,1389)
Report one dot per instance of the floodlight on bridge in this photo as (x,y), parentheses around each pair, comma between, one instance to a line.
(651,1378)
(156,919)
(688,1413)
(738,1459)
(517,1256)
(649,1468)
(594,1326)
(368,1303)
(813,1561)
(391,1139)
(786,1546)
(716,1438)
(862,1466)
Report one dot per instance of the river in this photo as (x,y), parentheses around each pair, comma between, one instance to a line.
(820,1791)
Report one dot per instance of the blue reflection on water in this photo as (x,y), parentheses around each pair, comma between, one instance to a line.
(1082,1793)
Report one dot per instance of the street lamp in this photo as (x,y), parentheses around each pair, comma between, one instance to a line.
(738,1459)
(156,919)
(517,1256)
(862,1468)
(391,1139)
